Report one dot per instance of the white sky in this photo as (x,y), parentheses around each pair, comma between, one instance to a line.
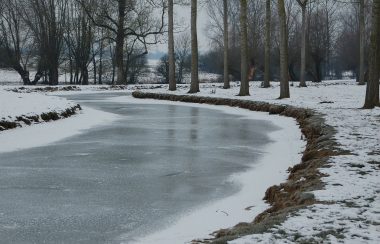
(182,15)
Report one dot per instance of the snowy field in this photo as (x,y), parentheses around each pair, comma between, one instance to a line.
(349,208)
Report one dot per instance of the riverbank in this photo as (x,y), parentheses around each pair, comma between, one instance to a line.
(31,119)
(333,194)
(24,109)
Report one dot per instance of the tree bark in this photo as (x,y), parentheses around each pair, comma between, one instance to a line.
(362,43)
(119,52)
(53,74)
(267,45)
(303,47)
(284,82)
(372,92)
(244,86)
(194,87)
(94,64)
(172,80)
(225,35)
(100,72)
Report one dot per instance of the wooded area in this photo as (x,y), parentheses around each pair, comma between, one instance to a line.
(108,41)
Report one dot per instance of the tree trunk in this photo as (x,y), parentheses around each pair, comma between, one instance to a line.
(94,63)
(23,73)
(267,45)
(244,86)
(119,52)
(71,69)
(172,80)
(372,93)
(84,72)
(53,75)
(303,47)
(284,82)
(225,34)
(194,87)
(100,71)
(362,42)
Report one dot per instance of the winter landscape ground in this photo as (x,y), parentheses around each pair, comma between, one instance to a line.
(346,208)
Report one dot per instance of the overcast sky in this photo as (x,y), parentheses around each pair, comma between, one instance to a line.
(182,15)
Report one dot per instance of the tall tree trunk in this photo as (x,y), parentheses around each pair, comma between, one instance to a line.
(303,47)
(100,71)
(172,80)
(119,52)
(95,68)
(267,44)
(71,68)
(244,87)
(194,87)
(362,42)
(225,35)
(372,93)
(284,82)
(113,64)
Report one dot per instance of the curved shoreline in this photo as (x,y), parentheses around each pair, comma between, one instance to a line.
(304,177)
(41,134)
(23,120)
(243,204)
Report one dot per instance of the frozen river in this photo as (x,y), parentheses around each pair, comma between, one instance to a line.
(127,178)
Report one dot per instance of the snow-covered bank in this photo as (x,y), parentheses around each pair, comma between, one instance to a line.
(34,106)
(271,169)
(29,104)
(44,134)
(348,209)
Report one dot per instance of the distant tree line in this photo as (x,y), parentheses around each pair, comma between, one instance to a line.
(282,39)
(329,37)
(47,36)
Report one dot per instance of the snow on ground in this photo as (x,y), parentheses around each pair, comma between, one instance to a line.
(47,133)
(15,104)
(8,76)
(351,213)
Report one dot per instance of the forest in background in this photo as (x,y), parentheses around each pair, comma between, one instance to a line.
(108,41)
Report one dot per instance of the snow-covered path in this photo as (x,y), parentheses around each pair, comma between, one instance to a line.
(350,212)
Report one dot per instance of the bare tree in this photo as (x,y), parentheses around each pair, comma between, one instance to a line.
(182,54)
(284,82)
(268,10)
(244,87)
(133,19)
(362,42)
(226,78)
(303,4)
(47,21)
(194,86)
(172,80)
(79,39)
(16,40)
(372,93)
